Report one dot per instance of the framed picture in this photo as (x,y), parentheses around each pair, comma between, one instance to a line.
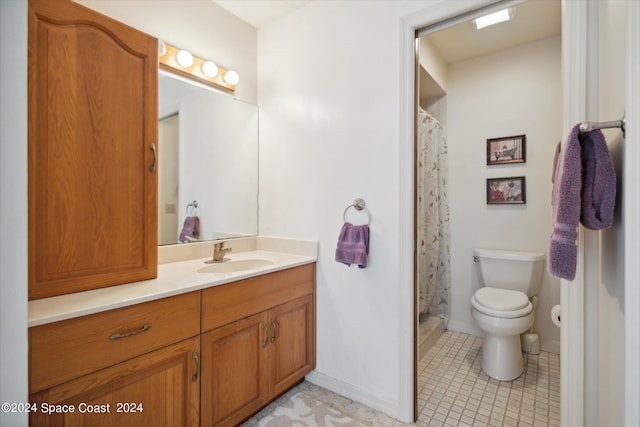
(508,149)
(506,190)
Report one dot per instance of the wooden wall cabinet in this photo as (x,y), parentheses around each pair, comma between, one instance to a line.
(260,342)
(92,131)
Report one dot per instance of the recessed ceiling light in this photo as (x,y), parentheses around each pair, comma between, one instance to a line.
(492,18)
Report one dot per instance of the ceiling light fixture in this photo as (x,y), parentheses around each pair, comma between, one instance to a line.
(492,18)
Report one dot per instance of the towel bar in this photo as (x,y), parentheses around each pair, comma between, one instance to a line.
(589,126)
(358,204)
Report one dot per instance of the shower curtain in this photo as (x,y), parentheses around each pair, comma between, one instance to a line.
(433,237)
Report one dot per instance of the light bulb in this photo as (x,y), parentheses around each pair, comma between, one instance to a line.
(162,48)
(210,69)
(184,58)
(231,77)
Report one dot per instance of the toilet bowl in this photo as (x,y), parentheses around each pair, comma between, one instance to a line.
(502,315)
(502,308)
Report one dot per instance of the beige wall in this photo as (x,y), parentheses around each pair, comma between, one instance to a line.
(512,92)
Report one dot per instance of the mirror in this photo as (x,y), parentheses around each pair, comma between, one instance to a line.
(208,163)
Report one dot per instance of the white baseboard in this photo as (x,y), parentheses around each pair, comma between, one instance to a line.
(383,404)
(550,346)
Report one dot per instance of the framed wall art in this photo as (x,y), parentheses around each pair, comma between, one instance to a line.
(506,190)
(508,149)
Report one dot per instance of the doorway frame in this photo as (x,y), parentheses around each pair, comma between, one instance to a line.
(574,57)
(574,72)
(632,222)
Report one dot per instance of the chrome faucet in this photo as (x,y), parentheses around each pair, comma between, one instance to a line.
(219,251)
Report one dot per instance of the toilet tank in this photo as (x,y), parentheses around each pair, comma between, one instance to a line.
(515,270)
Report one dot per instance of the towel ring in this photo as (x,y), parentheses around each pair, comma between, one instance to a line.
(193,205)
(358,204)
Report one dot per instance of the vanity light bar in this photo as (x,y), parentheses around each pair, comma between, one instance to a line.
(197,69)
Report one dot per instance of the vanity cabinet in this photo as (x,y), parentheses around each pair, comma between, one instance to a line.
(161,388)
(92,126)
(212,357)
(258,341)
(143,361)
(235,371)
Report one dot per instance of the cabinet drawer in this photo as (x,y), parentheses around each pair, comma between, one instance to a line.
(226,303)
(70,348)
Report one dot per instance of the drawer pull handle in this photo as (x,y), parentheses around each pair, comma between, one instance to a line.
(273,337)
(265,327)
(194,378)
(118,335)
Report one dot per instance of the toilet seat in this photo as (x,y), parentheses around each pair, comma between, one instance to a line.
(502,303)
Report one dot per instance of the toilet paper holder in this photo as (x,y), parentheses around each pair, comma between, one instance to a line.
(555,315)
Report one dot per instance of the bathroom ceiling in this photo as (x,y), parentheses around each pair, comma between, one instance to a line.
(531,21)
(259,13)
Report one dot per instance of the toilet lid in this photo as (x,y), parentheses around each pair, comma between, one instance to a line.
(501,302)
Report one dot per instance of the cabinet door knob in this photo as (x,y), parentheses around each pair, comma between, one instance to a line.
(195,355)
(119,335)
(273,337)
(152,147)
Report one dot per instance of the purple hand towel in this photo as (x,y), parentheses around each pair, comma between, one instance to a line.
(599,182)
(567,184)
(353,245)
(191,228)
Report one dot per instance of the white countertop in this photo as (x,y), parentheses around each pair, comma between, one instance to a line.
(174,278)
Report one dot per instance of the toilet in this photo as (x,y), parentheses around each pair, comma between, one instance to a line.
(502,308)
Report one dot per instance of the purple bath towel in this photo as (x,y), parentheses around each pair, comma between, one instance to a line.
(598,182)
(567,183)
(583,190)
(353,245)
(190,228)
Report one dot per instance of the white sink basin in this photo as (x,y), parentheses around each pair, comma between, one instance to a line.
(236,265)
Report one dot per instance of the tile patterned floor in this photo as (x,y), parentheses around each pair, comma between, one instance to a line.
(429,331)
(453,391)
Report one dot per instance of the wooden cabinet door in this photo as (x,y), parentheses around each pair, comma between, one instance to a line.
(159,389)
(235,380)
(292,350)
(92,117)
